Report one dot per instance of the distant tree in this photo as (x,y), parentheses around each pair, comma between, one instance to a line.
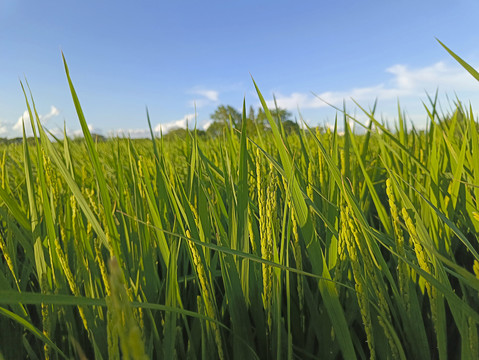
(321,128)
(282,115)
(98,137)
(251,114)
(290,127)
(224,113)
(175,133)
(277,114)
(182,133)
(216,128)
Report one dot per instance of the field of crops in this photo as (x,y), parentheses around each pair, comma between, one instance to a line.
(316,244)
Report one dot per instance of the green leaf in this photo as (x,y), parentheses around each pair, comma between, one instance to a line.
(464,64)
(316,256)
(37,333)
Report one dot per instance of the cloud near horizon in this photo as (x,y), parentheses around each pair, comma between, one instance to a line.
(3,129)
(405,82)
(43,118)
(162,127)
(181,123)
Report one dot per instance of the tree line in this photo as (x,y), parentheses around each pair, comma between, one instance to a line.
(226,115)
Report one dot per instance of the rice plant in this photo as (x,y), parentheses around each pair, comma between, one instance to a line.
(312,244)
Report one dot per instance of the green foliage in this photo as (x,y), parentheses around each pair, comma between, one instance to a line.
(261,243)
(226,116)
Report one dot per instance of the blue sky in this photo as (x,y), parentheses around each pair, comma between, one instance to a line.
(171,55)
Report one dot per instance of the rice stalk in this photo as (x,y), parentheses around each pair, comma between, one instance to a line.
(298,258)
(8,258)
(359,282)
(265,231)
(46,317)
(123,329)
(473,340)
(102,266)
(65,205)
(403,269)
(206,294)
(419,251)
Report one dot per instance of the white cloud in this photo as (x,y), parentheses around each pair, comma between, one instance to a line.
(26,118)
(207,124)
(164,128)
(22,119)
(53,112)
(206,97)
(79,132)
(405,82)
(181,123)
(211,95)
(133,133)
(3,129)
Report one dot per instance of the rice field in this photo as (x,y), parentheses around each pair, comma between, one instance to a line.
(265,245)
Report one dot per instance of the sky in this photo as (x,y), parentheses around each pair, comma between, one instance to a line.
(182,59)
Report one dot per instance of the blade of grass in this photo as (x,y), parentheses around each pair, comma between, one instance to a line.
(328,291)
